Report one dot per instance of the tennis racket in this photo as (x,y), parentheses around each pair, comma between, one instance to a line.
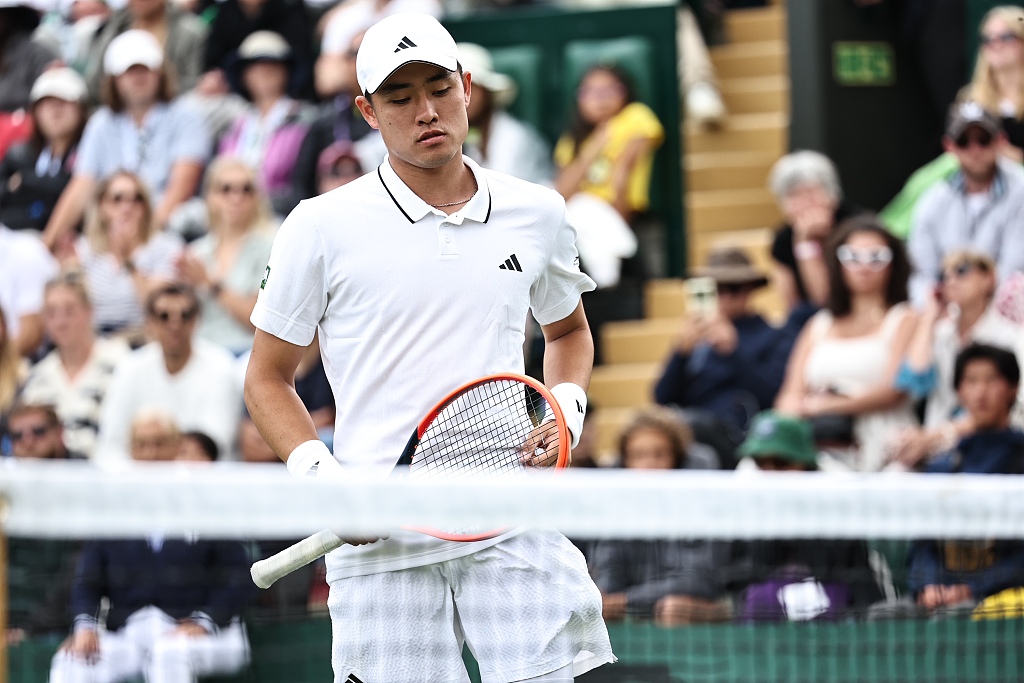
(499,425)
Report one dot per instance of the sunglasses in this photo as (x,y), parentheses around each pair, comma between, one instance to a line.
(957,271)
(874,259)
(982,138)
(125,198)
(999,39)
(185,316)
(38,432)
(245,189)
(733,288)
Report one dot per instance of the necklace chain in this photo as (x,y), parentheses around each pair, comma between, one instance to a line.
(461,201)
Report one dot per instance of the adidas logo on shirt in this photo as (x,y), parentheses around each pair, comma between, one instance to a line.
(404,44)
(352,678)
(511,263)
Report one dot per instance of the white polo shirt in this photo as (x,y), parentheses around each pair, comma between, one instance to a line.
(410,304)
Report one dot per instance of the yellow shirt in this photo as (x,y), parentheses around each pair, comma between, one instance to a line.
(635,121)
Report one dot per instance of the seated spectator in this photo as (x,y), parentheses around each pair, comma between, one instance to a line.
(338,122)
(846,358)
(496,139)
(227,265)
(728,367)
(796,579)
(123,254)
(197,447)
(182,38)
(141,129)
(154,436)
(174,611)
(998,83)
(236,20)
(959,313)
(36,432)
(192,380)
(609,148)
(338,166)
(74,377)
(340,26)
(269,135)
(806,187)
(945,575)
(22,59)
(981,207)
(33,174)
(25,268)
(673,582)
(315,393)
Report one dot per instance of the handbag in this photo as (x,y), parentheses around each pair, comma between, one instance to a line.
(832,429)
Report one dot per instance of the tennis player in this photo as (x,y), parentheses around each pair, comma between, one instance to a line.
(419,276)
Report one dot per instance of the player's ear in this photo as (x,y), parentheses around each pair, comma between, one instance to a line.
(366,109)
(467,85)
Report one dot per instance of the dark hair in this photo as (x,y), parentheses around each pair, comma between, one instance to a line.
(47,410)
(661,419)
(580,130)
(171,289)
(1004,361)
(165,92)
(839,303)
(208,445)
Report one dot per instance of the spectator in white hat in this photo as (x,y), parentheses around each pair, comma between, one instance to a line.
(140,129)
(33,174)
(497,140)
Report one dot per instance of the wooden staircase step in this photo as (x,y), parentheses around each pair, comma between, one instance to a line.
(762,23)
(766,132)
(710,211)
(610,423)
(638,341)
(621,385)
(727,170)
(748,60)
(754,95)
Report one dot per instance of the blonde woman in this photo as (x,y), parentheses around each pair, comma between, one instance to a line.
(998,82)
(227,265)
(122,253)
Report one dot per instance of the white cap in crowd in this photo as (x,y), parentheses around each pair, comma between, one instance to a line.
(62,83)
(477,60)
(132,48)
(264,46)
(398,40)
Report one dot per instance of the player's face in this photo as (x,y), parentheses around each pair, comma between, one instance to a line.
(420,111)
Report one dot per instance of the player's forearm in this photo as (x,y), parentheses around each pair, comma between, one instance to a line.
(570,358)
(278,414)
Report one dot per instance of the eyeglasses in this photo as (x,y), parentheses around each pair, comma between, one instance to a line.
(874,259)
(185,316)
(982,138)
(125,198)
(38,432)
(958,271)
(999,39)
(245,189)
(733,288)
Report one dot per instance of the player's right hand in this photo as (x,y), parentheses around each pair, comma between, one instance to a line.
(348,539)
(83,643)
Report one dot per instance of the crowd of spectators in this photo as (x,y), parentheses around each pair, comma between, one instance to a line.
(165,142)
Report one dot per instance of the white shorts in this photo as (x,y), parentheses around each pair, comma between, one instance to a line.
(525,607)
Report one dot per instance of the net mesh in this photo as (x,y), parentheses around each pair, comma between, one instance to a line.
(705,576)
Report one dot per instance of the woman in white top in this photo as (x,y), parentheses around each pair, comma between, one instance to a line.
(228,263)
(73,378)
(847,356)
(959,314)
(123,254)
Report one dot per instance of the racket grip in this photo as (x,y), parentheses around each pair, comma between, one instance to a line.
(265,572)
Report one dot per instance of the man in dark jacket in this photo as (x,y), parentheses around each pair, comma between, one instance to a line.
(727,366)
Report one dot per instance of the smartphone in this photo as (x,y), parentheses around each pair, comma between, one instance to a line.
(702,297)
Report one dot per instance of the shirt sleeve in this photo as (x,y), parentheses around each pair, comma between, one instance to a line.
(556,293)
(293,293)
(87,159)
(565,150)
(192,140)
(37,268)
(642,122)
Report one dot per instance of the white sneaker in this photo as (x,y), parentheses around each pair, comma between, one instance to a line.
(704,105)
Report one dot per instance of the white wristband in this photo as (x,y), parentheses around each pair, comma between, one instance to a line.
(313,459)
(573,402)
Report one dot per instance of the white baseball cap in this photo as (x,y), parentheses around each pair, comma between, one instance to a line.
(132,48)
(62,83)
(398,40)
(477,60)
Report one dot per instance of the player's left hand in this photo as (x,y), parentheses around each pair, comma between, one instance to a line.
(541,448)
(189,629)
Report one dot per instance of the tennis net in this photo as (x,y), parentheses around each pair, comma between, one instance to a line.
(707,576)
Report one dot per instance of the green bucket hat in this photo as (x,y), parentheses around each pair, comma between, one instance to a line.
(775,435)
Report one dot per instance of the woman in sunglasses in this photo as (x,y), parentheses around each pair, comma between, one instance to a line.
(959,314)
(846,358)
(228,263)
(123,254)
(998,82)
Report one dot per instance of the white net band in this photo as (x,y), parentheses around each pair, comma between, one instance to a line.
(72,500)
